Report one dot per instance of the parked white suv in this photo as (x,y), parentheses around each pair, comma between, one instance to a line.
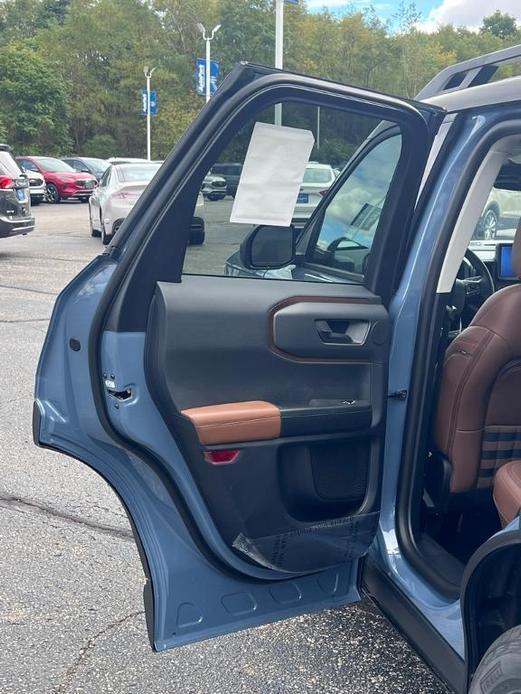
(37,187)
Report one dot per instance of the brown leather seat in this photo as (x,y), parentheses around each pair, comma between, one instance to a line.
(507,491)
(478,420)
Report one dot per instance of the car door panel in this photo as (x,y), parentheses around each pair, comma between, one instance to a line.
(241,421)
(305,430)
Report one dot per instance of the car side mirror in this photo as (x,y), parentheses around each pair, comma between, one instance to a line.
(84,170)
(268,247)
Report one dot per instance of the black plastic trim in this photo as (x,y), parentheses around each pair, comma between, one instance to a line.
(472,72)
(305,421)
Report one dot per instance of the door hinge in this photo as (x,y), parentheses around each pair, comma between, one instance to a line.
(398,394)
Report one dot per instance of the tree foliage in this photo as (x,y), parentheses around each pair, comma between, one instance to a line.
(71,71)
(33,107)
(501,25)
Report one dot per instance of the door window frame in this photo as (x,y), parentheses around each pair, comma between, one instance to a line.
(149,225)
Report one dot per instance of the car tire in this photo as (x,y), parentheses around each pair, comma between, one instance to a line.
(53,194)
(105,238)
(197,237)
(499,671)
(489,224)
(35,202)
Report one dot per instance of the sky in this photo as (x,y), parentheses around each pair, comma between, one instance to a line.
(467,13)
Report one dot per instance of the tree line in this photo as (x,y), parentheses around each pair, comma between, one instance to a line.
(71,71)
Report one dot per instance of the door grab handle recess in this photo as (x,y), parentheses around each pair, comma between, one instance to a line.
(347,332)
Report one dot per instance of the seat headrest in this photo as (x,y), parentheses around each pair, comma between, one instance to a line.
(516,251)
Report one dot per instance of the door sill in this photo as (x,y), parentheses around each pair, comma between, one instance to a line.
(410,622)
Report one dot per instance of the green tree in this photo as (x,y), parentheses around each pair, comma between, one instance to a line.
(100,51)
(500,24)
(22,19)
(103,146)
(33,106)
(247,34)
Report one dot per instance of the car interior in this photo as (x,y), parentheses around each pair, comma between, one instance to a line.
(472,468)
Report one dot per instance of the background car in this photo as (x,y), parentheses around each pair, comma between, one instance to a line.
(15,205)
(317,179)
(231,173)
(119,189)
(503,210)
(126,160)
(37,187)
(214,187)
(92,165)
(117,192)
(62,181)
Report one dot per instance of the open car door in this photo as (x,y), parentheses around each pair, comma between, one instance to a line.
(237,407)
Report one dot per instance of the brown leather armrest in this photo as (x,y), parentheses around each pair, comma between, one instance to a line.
(235,422)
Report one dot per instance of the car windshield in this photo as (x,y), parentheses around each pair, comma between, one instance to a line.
(98,165)
(53,165)
(318,174)
(137,172)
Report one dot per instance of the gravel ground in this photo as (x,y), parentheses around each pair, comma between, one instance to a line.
(71,613)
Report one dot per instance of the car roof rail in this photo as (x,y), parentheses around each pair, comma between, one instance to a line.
(469,73)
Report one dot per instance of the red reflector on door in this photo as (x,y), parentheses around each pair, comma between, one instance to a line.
(222,457)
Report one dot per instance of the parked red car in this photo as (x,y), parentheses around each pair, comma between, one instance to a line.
(62,180)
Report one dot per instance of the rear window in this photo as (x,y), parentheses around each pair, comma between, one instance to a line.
(227,169)
(53,165)
(318,175)
(8,166)
(98,165)
(137,172)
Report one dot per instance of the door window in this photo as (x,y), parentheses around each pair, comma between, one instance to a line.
(105,178)
(351,217)
(28,164)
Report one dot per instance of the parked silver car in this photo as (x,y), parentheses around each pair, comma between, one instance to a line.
(317,179)
(214,187)
(117,192)
(119,189)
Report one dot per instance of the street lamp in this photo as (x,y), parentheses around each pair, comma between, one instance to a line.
(208,38)
(148,74)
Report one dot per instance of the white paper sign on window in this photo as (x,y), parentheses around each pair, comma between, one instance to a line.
(272,175)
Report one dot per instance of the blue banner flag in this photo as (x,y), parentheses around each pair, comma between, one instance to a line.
(200,76)
(153,102)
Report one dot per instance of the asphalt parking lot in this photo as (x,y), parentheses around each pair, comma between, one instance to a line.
(71,613)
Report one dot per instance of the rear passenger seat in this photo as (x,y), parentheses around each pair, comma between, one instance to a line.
(507,491)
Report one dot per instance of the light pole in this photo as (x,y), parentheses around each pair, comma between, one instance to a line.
(148,74)
(208,38)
